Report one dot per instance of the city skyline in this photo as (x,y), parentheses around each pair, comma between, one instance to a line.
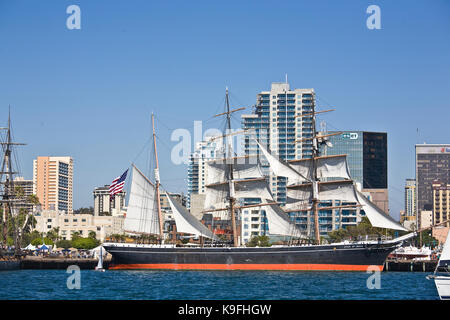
(91,91)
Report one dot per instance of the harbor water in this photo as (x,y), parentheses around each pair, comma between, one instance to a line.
(214,285)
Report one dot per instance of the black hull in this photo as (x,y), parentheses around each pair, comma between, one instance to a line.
(343,257)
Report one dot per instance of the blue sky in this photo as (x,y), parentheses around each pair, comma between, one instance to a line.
(89,93)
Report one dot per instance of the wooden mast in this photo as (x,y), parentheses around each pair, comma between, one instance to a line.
(231,182)
(315,184)
(158,200)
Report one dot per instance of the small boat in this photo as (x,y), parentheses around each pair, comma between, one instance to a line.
(99,266)
(441,274)
(412,253)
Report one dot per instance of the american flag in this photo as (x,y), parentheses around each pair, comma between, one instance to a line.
(117,184)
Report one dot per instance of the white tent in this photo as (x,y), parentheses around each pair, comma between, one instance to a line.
(30,247)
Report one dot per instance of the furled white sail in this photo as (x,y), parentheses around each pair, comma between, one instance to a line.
(142,211)
(376,216)
(279,222)
(243,168)
(327,167)
(281,168)
(186,222)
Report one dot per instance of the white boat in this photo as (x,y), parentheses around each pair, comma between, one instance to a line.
(441,274)
(99,266)
(412,253)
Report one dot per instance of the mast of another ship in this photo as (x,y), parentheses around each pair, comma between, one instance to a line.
(8,188)
(157,183)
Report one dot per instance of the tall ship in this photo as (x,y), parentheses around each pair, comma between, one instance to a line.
(231,180)
(16,215)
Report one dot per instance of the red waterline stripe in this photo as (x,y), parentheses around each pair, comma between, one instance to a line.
(298,267)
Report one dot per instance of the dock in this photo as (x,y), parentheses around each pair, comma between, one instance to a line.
(410,265)
(9,265)
(31,262)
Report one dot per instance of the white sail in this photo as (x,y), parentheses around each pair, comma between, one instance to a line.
(337,190)
(280,168)
(254,188)
(217,196)
(186,222)
(279,222)
(298,196)
(243,168)
(333,167)
(100,259)
(377,217)
(142,211)
(327,167)
(445,255)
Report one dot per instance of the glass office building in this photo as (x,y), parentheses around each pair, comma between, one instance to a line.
(366,156)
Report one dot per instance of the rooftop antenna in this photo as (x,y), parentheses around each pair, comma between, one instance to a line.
(286,78)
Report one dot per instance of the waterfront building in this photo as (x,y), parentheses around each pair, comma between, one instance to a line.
(27,189)
(410,198)
(104,204)
(53,183)
(67,224)
(441,202)
(432,163)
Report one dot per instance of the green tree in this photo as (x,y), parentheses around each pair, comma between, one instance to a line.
(75,235)
(38,241)
(92,234)
(53,234)
(260,241)
(66,244)
(85,243)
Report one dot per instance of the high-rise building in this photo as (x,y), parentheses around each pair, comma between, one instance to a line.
(367,161)
(197,173)
(441,201)
(105,205)
(410,198)
(432,163)
(53,183)
(276,122)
